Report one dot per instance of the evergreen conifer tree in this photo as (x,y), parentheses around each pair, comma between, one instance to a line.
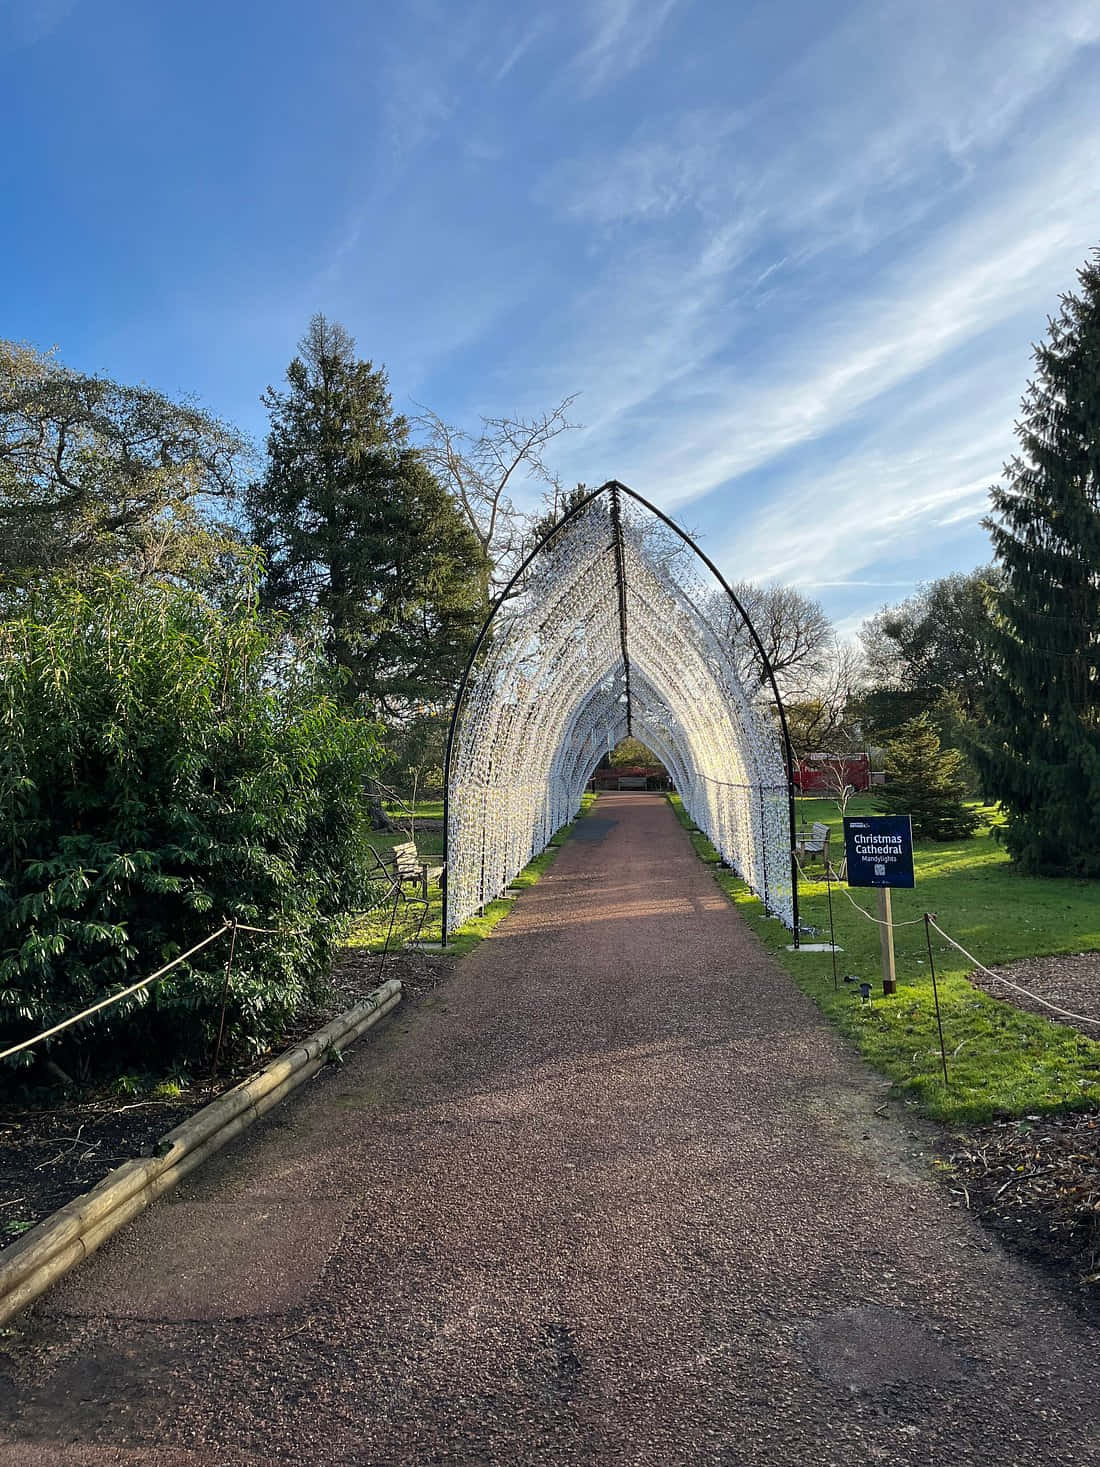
(1040,755)
(925,781)
(359,535)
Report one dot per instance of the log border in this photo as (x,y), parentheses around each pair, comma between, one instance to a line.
(55,1245)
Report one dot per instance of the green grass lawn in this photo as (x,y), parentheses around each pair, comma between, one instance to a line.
(429,843)
(424,810)
(1001,1061)
(371,932)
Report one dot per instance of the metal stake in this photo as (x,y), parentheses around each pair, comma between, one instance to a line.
(886,940)
(225,998)
(936,995)
(832,929)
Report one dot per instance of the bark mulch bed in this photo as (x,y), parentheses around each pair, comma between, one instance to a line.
(1035,1183)
(49,1156)
(1072,981)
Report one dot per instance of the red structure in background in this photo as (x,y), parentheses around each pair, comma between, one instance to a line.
(817,773)
(812,775)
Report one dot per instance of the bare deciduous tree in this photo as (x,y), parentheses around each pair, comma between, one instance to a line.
(836,784)
(793,629)
(481,473)
(820,719)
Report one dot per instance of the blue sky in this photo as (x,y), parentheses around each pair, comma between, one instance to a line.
(792,256)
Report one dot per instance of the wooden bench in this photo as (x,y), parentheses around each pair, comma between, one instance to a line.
(633,781)
(407,866)
(814,842)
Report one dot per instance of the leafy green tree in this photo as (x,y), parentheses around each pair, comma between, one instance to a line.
(1040,755)
(632,751)
(359,536)
(164,763)
(926,781)
(880,712)
(94,473)
(935,642)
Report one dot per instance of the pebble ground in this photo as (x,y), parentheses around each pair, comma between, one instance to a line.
(615,1194)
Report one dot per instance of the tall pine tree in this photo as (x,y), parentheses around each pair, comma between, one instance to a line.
(1040,755)
(358,534)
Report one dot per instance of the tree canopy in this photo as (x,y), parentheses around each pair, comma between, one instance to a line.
(937,639)
(94,473)
(359,535)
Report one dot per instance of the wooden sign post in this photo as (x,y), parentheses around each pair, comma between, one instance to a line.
(886,937)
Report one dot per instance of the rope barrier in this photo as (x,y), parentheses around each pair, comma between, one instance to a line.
(116,997)
(232,923)
(1054,1008)
(908,921)
(916,921)
(836,881)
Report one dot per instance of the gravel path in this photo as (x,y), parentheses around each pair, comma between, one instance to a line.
(614,1194)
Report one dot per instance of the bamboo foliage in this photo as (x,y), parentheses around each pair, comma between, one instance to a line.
(162,764)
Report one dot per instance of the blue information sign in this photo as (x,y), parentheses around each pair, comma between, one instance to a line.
(879,850)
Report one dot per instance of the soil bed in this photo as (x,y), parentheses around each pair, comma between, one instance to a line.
(49,1156)
(1035,1184)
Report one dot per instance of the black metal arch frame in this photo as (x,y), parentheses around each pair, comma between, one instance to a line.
(614,488)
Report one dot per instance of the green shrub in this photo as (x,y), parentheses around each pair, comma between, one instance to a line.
(164,764)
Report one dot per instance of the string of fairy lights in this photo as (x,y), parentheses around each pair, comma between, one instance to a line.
(606,632)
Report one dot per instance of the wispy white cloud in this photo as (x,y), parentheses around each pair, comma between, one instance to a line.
(862,585)
(621,34)
(839,521)
(858,253)
(667,166)
(25,22)
(721,339)
(520,47)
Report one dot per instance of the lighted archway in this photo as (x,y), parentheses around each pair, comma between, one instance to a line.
(609,627)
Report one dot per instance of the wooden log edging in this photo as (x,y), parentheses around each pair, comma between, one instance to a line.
(59,1242)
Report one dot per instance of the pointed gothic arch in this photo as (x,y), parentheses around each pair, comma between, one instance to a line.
(616,623)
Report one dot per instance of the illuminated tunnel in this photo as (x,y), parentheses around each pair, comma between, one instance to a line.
(615,624)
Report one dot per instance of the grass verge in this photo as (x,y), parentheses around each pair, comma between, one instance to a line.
(423,810)
(371,932)
(1002,1062)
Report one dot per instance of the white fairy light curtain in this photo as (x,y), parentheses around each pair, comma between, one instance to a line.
(605,632)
